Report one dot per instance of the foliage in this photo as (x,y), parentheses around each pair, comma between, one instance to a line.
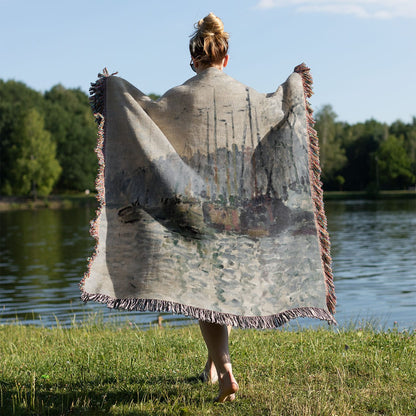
(408,134)
(71,132)
(365,156)
(332,154)
(36,168)
(154,96)
(394,163)
(16,99)
(106,369)
(71,123)
(364,140)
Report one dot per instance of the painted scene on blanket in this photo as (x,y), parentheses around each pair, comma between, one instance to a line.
(210,202)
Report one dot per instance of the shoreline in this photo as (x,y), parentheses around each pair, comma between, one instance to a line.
(59,201)
(348,195)
(67,201)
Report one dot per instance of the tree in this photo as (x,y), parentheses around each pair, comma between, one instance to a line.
(71,123)
(332,154)
(361,142)
(35,169)
(153,96)
(7,124)
(15,99)
(408,133)
(394,164)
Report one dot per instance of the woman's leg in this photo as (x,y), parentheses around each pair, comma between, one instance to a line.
(209,374)
(216,339)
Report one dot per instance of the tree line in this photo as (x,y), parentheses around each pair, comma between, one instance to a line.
(369,156)
(47,143)
(47,140)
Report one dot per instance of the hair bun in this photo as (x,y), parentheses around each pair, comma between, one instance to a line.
(211,25)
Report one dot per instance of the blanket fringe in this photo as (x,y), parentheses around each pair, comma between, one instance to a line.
(97,103)
(245,322)
(316,189)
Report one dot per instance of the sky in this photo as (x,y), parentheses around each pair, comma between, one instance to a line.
(362,53)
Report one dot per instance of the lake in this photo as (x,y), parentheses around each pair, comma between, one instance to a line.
(43,258)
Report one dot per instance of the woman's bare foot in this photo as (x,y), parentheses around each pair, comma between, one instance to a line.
(228,388)
(209,375)
(216,339)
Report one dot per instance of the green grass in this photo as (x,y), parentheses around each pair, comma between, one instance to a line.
(61,201)
(108,369)
(344,195)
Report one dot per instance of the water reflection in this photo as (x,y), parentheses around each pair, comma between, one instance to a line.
(43,257)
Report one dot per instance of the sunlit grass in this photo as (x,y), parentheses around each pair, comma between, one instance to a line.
(119,369)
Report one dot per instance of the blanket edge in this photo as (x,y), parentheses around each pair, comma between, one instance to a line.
(97,102)
(244,322)
(316,189)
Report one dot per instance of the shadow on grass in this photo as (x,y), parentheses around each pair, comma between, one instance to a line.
(101,395)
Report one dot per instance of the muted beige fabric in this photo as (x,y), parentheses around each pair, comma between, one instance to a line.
(207,207)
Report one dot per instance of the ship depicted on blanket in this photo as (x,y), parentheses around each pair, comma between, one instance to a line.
(210,202)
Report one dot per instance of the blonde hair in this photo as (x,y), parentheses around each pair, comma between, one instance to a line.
(209,42)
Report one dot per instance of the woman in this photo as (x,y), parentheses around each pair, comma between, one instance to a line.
(211,203)
(209,49)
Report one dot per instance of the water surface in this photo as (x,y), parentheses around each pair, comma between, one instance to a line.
(374,260)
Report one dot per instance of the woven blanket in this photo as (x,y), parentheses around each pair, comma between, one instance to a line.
(210,202)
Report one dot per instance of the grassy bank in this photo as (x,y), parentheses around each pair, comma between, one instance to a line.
(103,369)
(64,201)
(344,195)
